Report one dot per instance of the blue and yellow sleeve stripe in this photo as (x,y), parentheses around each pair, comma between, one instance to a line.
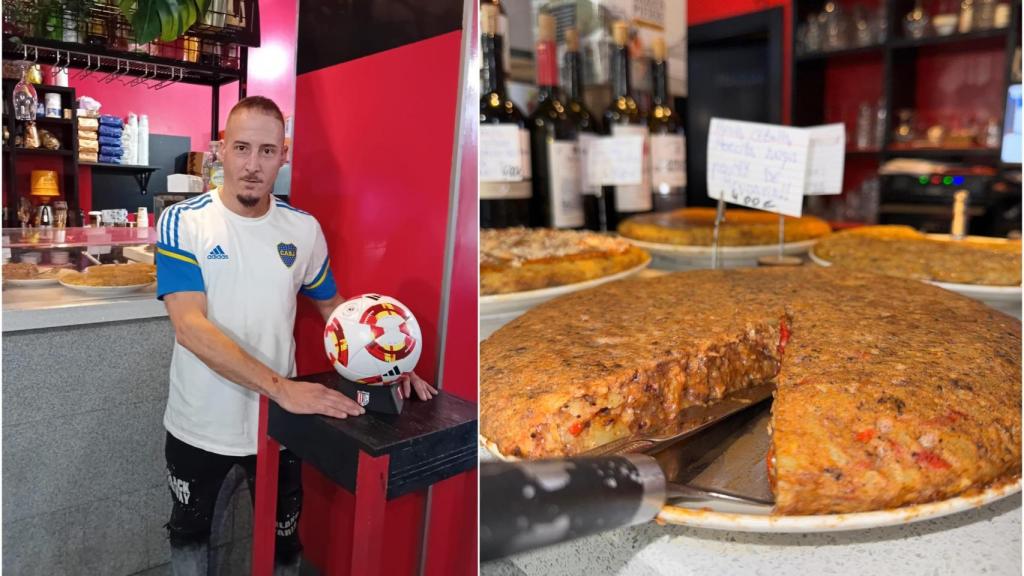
(322,287)
(177,271)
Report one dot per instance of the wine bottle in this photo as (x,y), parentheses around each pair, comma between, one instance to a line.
(587,127)
(502,32)
(556,201)
(623,118)
(505,188)
(668,142)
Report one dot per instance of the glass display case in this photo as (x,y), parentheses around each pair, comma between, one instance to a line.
(47,268)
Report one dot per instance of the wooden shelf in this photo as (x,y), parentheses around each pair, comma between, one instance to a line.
(900,43)
(120,167)
(141,173)
(874,49)
(52,121)
(940,153)
(42,152)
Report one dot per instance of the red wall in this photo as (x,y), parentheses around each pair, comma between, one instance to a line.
(957,85)
(375,168)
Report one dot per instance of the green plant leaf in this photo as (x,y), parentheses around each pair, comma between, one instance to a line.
(146,21)
(166,19)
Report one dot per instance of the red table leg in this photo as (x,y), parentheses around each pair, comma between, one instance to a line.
(264,520)
(367,519)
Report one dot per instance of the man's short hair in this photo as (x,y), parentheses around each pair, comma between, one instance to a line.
(259,104)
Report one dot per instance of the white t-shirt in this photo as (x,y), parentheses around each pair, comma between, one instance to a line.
(251,270)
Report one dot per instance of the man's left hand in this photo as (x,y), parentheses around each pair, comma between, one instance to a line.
(410,380)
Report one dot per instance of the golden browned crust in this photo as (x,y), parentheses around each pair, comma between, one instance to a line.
(521,259)
(111,275)
(890,392)
(902,251)
(693,227)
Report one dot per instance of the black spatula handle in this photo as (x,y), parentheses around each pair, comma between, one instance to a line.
(529,504)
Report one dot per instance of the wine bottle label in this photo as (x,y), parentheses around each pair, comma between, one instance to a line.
(668,161)
(586,184)
(635,198)
(504,153)
(506,190)
(524,153)
(564,173)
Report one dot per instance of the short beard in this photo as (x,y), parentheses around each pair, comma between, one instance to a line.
(247,201)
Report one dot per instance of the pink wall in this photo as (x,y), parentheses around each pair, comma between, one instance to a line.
(184,109)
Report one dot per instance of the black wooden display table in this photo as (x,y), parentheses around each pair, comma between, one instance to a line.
(375,457)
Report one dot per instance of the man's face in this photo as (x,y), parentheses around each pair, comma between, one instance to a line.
(252,152)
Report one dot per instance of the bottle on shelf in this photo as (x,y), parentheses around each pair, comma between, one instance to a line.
(502,32)
(504,197)
(623,118)
(556,201)
(587,127)
(668,140)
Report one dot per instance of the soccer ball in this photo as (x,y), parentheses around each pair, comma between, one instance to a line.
(372,339)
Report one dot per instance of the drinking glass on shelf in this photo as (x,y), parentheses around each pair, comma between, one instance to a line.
(984,14)
(24,211)
(835,26)
(880,24)
(863,33)
(915,23)
(865,120)
(60,214)
(812,34)
(881,115)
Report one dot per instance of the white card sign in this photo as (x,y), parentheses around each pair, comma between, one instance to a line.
(760,166)
(826,158)
(501,156)
(616,161)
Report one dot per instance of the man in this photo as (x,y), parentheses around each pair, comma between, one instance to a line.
(230,264)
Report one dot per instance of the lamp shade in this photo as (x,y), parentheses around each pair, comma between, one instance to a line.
(44,183)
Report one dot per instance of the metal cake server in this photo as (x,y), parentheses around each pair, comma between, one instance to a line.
(529,504)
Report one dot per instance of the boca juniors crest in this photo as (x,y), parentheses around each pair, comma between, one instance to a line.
(287,252)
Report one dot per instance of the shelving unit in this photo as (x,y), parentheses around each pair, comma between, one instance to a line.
(99,40)
(827,86)
(141,173)
(65,130)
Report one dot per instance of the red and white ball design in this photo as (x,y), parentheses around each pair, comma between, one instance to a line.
(372,339)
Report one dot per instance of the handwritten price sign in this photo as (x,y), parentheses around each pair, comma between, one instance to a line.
(759,166)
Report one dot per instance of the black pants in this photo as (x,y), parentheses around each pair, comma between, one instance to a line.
(195,477)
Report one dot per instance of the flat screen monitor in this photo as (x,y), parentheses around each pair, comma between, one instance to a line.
(1011,127)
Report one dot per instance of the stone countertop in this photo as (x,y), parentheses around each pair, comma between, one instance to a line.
(56,306)
(986,540)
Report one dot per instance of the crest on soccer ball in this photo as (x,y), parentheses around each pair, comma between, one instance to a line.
(363,397)
(287,253)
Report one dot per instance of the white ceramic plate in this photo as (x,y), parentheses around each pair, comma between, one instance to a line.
(107,290)
(717,517)
(1003,298)
(501,304)
(674,257)
(31,283)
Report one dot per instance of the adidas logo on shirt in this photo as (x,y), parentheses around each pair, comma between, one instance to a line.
(217,253)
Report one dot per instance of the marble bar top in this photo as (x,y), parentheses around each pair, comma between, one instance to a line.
(55,307)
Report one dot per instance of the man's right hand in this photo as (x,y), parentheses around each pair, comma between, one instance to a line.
(312,398)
